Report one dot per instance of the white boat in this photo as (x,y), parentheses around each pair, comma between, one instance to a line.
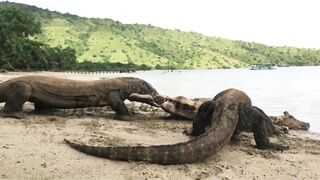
(264,67)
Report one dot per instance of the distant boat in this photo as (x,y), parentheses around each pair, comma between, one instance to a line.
(264,67)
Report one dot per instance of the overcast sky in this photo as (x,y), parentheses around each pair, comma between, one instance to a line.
(272,22)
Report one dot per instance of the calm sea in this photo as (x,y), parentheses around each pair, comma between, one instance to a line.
(292,89)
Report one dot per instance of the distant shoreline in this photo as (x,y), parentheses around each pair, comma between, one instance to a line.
(119,70)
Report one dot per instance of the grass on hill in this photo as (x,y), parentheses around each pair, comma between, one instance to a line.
(105,40)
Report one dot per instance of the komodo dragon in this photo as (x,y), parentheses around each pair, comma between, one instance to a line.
(232,113)
(184,108)
(50,92)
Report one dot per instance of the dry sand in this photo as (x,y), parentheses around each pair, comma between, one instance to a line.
(33,148)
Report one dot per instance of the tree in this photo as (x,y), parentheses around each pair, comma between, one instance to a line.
(18,23)
(15,27)
(18,51)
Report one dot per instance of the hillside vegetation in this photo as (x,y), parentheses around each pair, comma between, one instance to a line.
(108,41)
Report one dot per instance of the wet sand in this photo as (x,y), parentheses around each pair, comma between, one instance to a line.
(33,148)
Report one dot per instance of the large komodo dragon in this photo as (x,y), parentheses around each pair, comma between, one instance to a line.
(232,113)
(49,92)
(185,108)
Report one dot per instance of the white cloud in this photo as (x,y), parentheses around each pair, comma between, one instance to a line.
(272,22)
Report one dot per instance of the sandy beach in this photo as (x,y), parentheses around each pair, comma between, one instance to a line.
(33,148)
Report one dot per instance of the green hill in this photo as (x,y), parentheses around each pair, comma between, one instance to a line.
(105,40)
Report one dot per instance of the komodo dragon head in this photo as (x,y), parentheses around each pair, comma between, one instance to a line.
(146,93)
(290,121)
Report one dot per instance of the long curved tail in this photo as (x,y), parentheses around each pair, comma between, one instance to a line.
(194,150)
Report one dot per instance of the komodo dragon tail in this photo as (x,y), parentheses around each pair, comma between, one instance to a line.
(193,150)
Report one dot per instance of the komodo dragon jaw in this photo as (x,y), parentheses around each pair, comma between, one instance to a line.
(155,100)
(146,94)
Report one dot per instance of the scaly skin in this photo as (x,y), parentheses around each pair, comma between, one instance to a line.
(49,92)
(225,118)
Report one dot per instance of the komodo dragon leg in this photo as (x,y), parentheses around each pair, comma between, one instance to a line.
(257,121)
(117,104)
(272,128)
(203,118)
(20,93)
(40,108)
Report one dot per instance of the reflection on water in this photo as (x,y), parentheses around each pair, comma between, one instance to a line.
(292,89)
